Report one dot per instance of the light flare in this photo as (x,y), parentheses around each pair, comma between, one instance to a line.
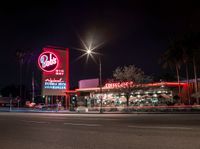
(88,49)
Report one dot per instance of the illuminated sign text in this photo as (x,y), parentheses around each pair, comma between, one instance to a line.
(48,61)
(119,85)
(54,83)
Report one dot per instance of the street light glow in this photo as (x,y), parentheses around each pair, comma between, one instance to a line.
(89,48)
(89,51)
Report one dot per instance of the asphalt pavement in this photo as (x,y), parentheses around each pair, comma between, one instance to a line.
(99,131)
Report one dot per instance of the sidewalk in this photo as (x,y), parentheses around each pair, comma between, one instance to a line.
(28,110)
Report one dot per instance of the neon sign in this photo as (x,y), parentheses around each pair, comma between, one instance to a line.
(52,83)
(119,84)
(54,65)
(60,72)
(131,84)
(48,61)
(54,80)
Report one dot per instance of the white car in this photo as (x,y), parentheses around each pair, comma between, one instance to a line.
(40,106)
(82,109)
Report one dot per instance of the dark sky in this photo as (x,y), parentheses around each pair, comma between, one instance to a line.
(133,32)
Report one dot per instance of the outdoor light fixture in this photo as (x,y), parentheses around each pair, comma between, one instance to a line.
(89,51)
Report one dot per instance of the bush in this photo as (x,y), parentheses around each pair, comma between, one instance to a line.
(128,110)
(113,110)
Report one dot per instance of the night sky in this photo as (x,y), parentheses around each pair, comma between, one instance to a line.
(133,32)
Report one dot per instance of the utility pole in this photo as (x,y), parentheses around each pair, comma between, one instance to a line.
(10,96)
(33,88)
(100,85)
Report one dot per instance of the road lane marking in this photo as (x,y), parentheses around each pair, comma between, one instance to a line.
(159,127)
(82,118)
(82,124)
(94,119)
(37,122)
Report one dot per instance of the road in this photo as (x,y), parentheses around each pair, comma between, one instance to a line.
(99,131)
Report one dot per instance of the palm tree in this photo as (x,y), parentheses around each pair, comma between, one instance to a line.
(184,51)
(186,59)
(29,60)
(173,58)
(192,45)
(20,55)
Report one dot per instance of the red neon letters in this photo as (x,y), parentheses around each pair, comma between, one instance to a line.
(48,61)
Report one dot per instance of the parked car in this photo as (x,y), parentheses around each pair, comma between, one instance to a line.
(40,106)
(82,109)
(30,104)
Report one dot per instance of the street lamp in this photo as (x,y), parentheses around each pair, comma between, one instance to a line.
(89,53)
(89,47)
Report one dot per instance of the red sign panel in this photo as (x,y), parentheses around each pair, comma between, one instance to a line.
(54,63)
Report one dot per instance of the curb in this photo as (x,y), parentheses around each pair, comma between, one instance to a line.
(72,112)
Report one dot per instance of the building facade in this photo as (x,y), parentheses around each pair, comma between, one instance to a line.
(116,94)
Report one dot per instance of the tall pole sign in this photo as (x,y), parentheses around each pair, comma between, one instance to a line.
(54,64)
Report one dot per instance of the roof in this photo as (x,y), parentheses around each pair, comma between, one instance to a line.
(110,87)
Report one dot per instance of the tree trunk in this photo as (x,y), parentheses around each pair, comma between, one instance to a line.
(20,79)
(33,87)
(127,100)
(187,76)
(178,79)
(195,77)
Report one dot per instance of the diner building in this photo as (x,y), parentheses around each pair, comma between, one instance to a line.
(54,65)
(114,94)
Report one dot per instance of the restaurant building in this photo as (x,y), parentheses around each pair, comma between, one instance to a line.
(54,65)
(114,94)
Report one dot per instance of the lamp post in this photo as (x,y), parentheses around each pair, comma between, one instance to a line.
(33,88)
(100,85)
(89,52)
